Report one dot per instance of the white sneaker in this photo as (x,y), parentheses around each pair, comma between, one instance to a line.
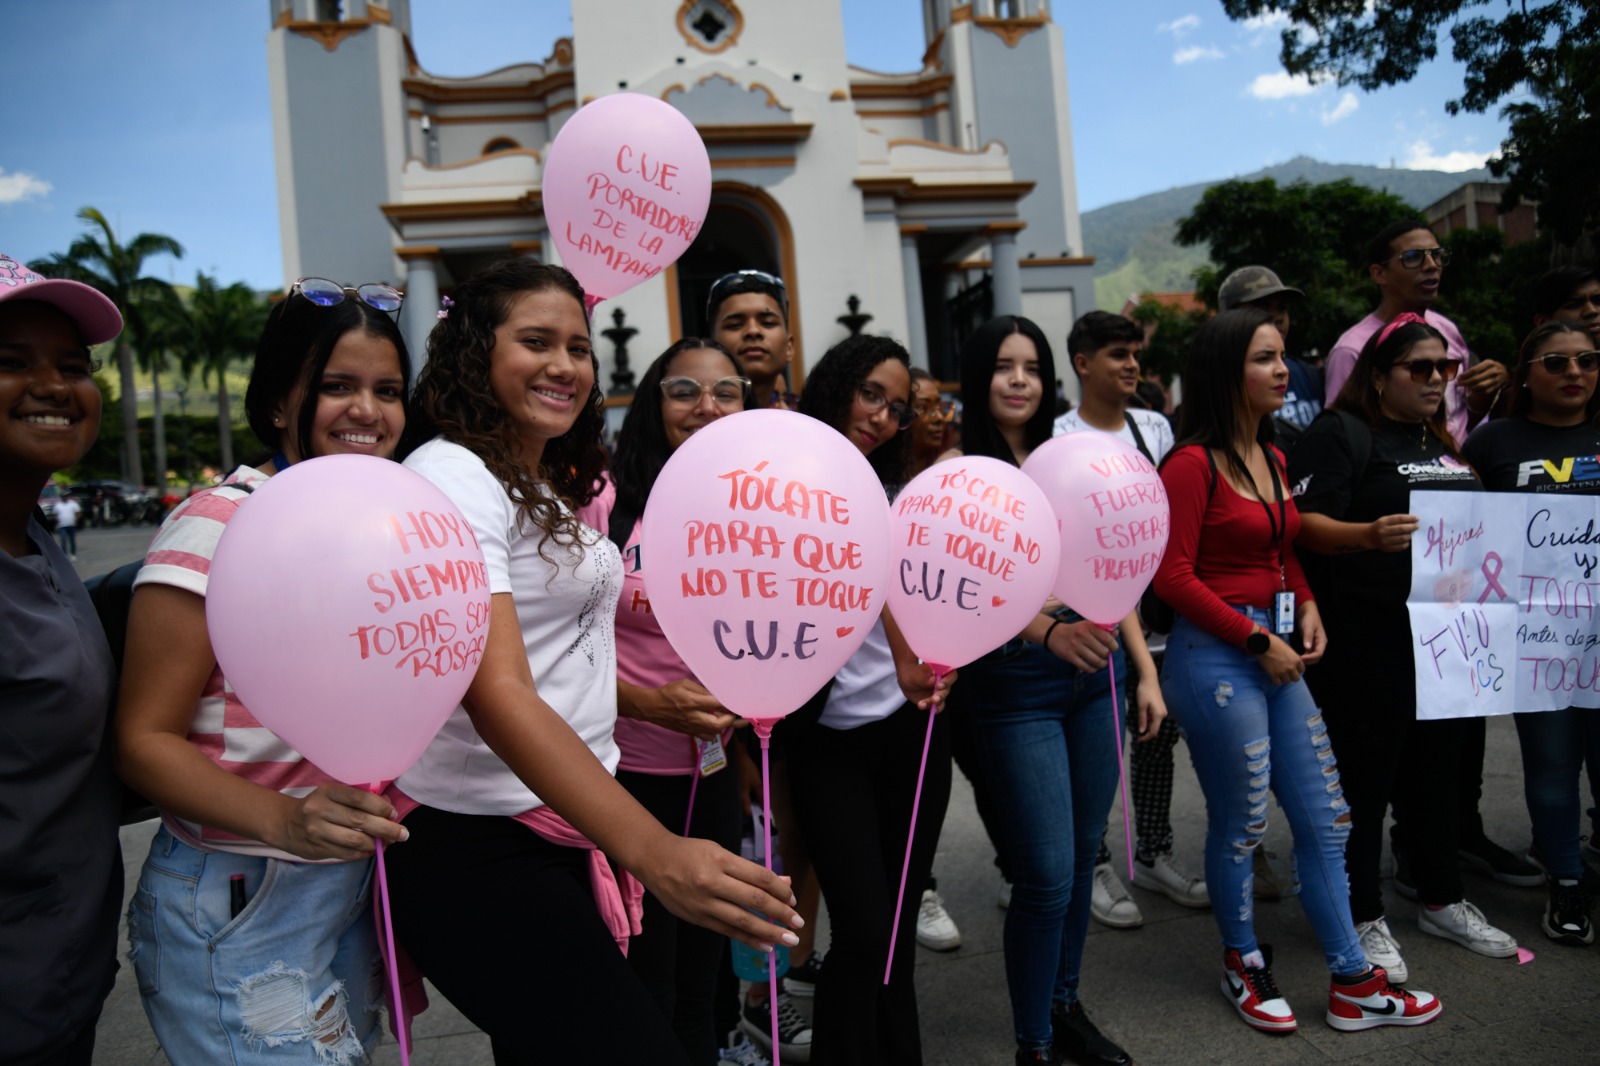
(741,1052)
(1382,949)
(1466,925)
(935,928)
(1110,903)
(1165,876)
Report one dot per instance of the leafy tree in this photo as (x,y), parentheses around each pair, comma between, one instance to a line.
(1546,51)
(1169,331)
(224,325)
(159,324)
(116,269)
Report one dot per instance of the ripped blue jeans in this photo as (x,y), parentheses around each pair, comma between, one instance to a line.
(1246,735)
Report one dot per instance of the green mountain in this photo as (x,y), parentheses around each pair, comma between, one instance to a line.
(1133,244)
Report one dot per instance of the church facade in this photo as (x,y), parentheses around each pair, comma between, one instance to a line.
(935,198)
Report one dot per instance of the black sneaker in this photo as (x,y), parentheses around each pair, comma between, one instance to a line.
(1038,1056)
(1077,1039)
(1591,879)
(1485,856)
(794,1032)
(1566,916)
(801,981)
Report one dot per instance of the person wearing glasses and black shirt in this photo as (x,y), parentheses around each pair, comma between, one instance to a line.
(748,312)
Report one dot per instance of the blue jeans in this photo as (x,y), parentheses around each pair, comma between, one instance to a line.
(1047,740)
(1553,746)
(295,978)
(1246,735)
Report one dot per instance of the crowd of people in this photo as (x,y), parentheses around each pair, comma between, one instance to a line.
(565,852)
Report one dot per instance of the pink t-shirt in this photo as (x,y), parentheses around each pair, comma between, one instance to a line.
(1342,360)
(644,658)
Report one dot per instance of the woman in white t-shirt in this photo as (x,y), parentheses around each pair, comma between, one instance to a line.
(504,903)
(251,933)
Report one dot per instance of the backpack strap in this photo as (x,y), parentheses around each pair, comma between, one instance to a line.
(1138,438)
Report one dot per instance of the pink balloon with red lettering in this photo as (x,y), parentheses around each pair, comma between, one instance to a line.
(348,605)
(767,541)
(626,188)
(976,548)
(1114,520)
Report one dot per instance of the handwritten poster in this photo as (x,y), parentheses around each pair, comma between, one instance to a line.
(1503,603)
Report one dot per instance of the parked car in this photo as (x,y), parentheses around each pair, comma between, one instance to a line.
(111,502)
(47,504)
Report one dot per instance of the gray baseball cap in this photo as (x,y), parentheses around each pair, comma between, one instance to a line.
(1249,284)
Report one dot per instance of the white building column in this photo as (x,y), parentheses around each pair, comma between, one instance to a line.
(1006,272)
(916,318)
(421,310)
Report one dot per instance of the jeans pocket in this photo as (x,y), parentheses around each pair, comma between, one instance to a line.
(144,941)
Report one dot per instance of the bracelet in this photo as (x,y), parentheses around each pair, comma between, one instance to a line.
(1045,643)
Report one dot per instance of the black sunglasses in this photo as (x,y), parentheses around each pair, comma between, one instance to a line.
(1422,370)
(1556,363)
(714,297)
(1412,258)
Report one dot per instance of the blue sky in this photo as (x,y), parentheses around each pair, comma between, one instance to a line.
(158,113)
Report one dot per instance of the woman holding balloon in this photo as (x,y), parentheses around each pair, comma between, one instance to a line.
(503,903)
(250,932)
(1047,730)
(1235,682)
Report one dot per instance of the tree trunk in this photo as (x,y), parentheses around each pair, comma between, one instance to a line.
(158,448)
(132,465)
(224,422)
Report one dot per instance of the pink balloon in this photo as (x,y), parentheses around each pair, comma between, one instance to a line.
(626,187)
(348,606)
(1114,520)
(976,546)
(767,539)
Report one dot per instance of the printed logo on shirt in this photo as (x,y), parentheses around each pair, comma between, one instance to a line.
(1553,475)
(1301,486)
(1444,468)
(1298,412)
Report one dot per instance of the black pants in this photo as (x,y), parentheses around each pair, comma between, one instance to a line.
(504,924)
(677,960)
(964,749)
(852,792)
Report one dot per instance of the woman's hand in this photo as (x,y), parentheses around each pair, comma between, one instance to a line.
(1392,532)
(1083,644)
(1281,662)
(1149,708)
(713,888)
(681,706)
(337,822)
(1312,636)
(916,682)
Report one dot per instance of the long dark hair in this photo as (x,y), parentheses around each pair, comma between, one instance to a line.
(642,441)
(831,389)
(1359,395)
(294,349)
(1521,395)
(1213,386)
(980,435)
(455,400)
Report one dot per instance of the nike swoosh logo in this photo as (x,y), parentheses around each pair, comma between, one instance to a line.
(1236,989)
(1389,1007)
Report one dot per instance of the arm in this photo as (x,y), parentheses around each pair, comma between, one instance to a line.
(1148,703)
(168,662)
(1331,536)
(682,706)
(1187,477)
(695,879)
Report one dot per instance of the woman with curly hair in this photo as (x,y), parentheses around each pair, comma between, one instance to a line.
(506,904)
(853,770)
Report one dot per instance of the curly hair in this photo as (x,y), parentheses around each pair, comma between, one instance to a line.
(1360,396)
(455,400)
(831,390)
(642,441)
(1527,354)
(980,435)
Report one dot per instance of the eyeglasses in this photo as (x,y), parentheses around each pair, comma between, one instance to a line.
(1422,370)
(325,293)
(935,410)
(714,297)
(788,401)
(1556,363)
(872,401)
(727,393)
(1412,258)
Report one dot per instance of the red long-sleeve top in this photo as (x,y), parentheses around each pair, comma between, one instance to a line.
(1221,550)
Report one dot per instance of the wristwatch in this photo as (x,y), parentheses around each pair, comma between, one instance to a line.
(1257,643)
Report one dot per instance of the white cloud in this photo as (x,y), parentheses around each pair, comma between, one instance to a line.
(1343,109)
(1266,21)
(1180,26)
(1280,85)
(1195,52)
(1423,157)
(18,186)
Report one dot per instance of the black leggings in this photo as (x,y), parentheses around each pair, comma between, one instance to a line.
(504,924)
(677,960)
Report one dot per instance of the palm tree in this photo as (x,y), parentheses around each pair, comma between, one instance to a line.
(224,325)
(116,269)
(160,327)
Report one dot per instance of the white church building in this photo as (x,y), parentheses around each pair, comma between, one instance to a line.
(937,198)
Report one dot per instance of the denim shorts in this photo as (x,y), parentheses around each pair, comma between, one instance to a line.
(295,977)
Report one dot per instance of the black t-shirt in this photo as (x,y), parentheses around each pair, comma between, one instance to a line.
(1520,455)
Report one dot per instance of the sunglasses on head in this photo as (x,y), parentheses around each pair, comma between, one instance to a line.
(325,293)
(727,280)
(1556,363)
(1412,258)
(1422,370)
(726,393)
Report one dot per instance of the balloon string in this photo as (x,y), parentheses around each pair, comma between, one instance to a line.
(694,785)
(1122,770)
(911,831)
(764,731)
(401,1029)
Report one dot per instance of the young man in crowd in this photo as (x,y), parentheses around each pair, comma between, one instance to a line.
(1104,349)
(748,312)
(1569,294)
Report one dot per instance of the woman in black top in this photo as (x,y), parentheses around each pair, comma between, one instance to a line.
(1551,445)
(1353,473)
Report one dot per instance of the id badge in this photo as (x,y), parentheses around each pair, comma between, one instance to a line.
(1283,613)
(712,757)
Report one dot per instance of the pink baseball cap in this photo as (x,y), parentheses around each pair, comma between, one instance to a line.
(97,317)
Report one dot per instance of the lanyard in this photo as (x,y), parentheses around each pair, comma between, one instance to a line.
(1279,524)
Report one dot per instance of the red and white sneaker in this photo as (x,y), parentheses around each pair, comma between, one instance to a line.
(1254,994)
(1375,1002)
